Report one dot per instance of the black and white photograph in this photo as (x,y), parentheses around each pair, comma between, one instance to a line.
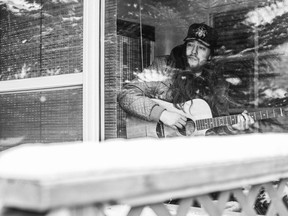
(143,107)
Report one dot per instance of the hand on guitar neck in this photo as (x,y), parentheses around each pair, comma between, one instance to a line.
(178,121)
(195,119)
(244,121)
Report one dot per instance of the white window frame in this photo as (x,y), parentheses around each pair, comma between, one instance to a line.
(90,79)
(40,83)
(93,75)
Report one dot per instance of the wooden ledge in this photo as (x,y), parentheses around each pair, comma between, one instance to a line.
(41,176)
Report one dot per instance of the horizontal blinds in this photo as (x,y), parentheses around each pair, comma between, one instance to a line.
(62,36)
(19,45)
(47,116)
(45,41)
(42,42)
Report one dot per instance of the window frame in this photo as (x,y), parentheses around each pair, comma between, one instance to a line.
(93,70)
(91,79)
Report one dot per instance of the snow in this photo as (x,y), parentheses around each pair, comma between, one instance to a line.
(49,161)
(17,5)
(266,15)
(149,75)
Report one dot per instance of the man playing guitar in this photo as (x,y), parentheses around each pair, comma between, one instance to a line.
(188,73)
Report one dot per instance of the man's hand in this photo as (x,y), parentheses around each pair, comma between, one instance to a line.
(244,121)
(173,119)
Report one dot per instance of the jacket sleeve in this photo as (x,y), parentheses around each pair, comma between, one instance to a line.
(135,97)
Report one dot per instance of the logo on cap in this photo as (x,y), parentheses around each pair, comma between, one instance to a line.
(201,32)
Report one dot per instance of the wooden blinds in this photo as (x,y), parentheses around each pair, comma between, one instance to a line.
(42,41)
(46,116)
(39,39)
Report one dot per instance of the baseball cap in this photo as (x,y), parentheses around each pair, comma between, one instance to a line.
(202,33)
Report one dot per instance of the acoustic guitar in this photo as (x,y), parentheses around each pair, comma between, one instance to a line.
(199,120)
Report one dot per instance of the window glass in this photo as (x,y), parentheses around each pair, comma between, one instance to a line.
(43,116)
(40,38)
(250,54)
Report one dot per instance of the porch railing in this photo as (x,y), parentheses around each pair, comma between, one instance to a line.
(141,177)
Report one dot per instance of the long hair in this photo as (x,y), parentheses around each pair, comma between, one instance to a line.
(185,85)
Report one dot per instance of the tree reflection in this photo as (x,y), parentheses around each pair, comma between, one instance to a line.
(252,46)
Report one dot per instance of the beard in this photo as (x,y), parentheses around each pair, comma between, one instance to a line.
(195,63)
(186,86)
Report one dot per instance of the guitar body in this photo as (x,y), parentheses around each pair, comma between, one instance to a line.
(199,119)
(136,127)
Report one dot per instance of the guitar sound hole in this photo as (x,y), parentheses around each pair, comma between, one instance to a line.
(188,129)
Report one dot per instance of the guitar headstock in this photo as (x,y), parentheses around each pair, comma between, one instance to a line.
(278,102)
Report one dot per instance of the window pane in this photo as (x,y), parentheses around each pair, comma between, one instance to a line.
(62,36)
(251,49)
(20,116)
(251,52)
(43,38)
(46,116)
(61,115)
(19,43)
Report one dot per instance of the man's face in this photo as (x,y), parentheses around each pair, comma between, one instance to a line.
(197,53)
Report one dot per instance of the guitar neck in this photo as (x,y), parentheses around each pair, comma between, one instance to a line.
(209,123)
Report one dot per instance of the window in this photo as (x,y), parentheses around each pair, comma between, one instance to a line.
(250,53)
(41,70)
(41,39)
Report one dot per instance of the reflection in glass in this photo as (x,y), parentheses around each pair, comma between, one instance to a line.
(251,52)
(46,116)
(42,38)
